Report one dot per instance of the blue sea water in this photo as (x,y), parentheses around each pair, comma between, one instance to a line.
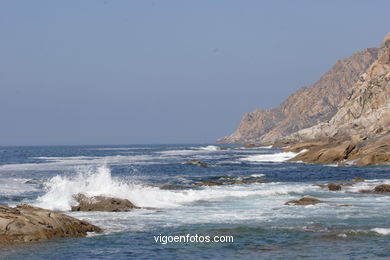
(348,225)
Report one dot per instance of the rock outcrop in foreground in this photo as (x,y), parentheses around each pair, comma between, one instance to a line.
(25,223)
(308,106)
(359,133)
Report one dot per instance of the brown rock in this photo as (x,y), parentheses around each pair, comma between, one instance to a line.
(304,201)
(382,188)
(101,203)
(334,187)
(25,223)
(173,187)
(197,163)
(208,183)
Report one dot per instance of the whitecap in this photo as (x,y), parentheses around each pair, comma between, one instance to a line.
(382,231)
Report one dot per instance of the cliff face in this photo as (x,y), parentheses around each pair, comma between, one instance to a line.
(365,112)
(360,131)
(307,107)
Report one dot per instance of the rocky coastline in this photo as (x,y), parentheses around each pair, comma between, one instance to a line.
(355,132)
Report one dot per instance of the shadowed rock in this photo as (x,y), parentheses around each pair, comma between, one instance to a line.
(334,187)
(383,188)
(303,201)
(25,223)
(101,203)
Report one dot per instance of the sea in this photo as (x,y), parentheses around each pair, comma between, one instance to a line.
(250,217)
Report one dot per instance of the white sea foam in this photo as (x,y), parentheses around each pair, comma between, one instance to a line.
(98,181)
(382,231)
(210,148)
(14,186)
(275,157)
(61,163)
(259,175)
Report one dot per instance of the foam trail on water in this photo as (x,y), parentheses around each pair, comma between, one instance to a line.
(276,157)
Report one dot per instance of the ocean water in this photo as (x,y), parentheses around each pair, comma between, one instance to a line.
(348,225)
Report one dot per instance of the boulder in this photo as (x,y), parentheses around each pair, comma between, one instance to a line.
(197,163)
(334,187)
(25,223)
(102,203)
(303,201)
(382,188)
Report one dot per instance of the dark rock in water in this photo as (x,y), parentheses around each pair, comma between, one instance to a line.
(382,188)
(101,203)
(236,182)
(25,223)
(358,179)
(208,183)
(334,187)
(174,187)
(245,182)
(303,201)
(197,163)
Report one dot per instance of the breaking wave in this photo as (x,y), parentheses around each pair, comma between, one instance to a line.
(99,181)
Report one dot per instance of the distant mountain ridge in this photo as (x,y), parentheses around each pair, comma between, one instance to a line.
(308,106)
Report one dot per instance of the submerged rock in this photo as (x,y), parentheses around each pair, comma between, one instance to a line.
(25,223)
(197,163)
(303,201)
(101,203)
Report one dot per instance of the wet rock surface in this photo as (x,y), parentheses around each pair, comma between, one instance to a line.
(102,203)
(25,223)
(197,163)
(303,201)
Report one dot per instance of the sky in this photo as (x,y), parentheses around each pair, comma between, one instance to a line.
(145,72)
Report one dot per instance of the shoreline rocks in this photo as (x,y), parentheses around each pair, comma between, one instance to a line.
(102,203)
(25,223)
(380,189)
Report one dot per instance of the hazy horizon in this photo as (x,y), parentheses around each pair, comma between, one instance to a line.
(144,72)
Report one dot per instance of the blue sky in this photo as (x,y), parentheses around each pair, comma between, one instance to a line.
(123,72)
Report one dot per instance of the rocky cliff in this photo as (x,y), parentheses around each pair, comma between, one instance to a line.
(360,131)
(308,106)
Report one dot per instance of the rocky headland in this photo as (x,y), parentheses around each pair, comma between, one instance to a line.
(308,106)
(342,119)
(359,133)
